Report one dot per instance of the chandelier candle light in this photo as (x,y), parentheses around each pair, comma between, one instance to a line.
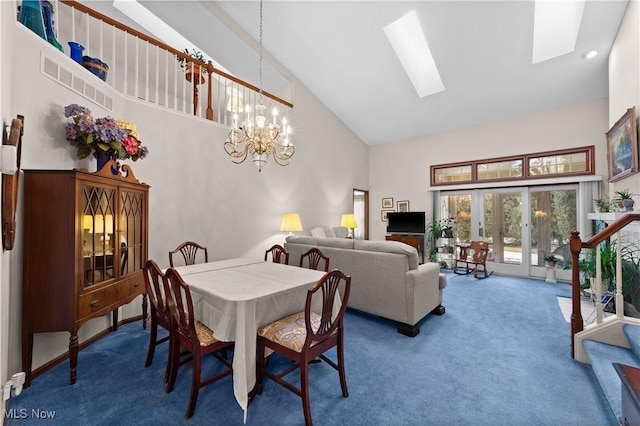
(256,136)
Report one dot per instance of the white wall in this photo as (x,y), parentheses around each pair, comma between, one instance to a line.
(196,191)
(401,169)
(624,82)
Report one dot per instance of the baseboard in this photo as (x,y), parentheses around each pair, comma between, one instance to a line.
(65,356)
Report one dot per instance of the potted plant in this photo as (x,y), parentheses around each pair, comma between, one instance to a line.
(625,198)
(191,68)
(602,204)
(550,260)
(434,231)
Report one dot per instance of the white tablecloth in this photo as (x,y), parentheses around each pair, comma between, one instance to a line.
(235,297)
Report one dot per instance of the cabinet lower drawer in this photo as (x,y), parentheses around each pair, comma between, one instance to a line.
(97,301)
(103,300)
(131,287)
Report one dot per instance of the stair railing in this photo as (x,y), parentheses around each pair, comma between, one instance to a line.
(150,70)
(576,245)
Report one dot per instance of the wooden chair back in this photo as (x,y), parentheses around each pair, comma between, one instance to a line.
(472,257)
(194,337)
(190,252)
(278,254)
(329,285)
(313,257)
(155,285)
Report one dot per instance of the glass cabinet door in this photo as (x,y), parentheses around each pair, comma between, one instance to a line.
(131,232)
(98,227)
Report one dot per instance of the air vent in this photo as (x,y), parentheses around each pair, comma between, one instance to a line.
(79,81)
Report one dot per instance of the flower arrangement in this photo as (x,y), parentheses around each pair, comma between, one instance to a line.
(106,134)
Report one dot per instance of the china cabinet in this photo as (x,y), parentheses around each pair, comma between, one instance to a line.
(85,243)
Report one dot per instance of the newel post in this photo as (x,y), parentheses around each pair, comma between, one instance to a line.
(575,245)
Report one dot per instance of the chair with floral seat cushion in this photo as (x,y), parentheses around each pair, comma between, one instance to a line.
(154,283)
(312,258)
(191,253)
(305,336)
(278,254)
(193,336)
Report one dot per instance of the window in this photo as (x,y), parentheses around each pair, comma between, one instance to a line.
(575,161)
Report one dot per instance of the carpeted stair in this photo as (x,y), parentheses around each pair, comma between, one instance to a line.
(603,355)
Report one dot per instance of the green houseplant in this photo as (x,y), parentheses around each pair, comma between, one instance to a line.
(624,197)
(192,69)
(603,205)
(550,260)
(434,231)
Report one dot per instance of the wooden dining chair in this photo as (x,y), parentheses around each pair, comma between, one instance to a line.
(155,286)
(190,251)
(278,254)
(305,336)
(193,336)
(313,257)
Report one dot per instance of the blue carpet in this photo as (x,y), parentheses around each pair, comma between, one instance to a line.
(501,355)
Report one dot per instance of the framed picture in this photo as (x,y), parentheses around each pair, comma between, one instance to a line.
(622,147)
(403,206)
(387,203)
(384,214)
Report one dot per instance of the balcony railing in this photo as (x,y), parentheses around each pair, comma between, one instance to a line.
(612,231)
(147,69)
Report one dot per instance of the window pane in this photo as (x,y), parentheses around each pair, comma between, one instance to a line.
(553,217)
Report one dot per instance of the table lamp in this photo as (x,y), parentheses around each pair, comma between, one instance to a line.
(349,221)
(291,223)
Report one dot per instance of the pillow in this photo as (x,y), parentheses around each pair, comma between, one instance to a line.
(318,233)
(329,231)
(341,231)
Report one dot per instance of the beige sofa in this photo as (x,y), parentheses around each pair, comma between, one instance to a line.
(386,279)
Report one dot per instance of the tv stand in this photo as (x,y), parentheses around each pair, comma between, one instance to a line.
(414,240)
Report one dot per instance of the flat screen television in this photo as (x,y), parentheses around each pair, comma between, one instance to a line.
(406,222)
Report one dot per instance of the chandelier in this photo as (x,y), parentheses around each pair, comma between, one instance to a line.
(257,136)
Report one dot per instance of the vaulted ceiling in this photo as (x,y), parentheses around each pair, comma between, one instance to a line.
(339,51)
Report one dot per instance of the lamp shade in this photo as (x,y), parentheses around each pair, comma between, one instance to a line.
(349,221)
(291,223)
(234,104)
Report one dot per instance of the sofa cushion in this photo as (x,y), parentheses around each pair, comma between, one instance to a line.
(341,231)
(329,232)
(302,239)
(343,243)
(318,233)
(389,247)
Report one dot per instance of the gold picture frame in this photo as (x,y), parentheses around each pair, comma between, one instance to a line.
(622,147)
(387,203)
(383,214)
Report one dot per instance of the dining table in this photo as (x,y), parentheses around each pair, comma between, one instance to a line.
(235,297)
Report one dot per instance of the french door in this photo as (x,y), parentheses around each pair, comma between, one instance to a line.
(521,225)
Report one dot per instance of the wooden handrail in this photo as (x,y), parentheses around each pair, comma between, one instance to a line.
(209,66)
(576,246)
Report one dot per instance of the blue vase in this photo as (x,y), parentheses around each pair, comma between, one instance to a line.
(47,16)
(96,66)
(103,156)
(75,51)
(32,18)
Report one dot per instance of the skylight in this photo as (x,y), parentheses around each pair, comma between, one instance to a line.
(409,43)
(555,28)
